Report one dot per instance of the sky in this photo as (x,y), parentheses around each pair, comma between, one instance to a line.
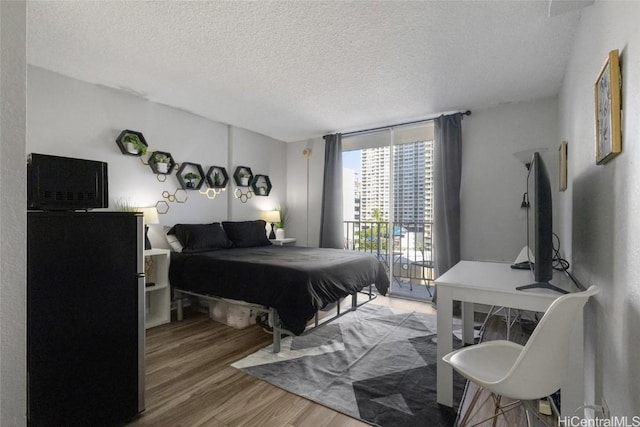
(351,160)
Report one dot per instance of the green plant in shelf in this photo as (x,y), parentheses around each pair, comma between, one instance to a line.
(190,177)
(243,177)
(161,158)
(217,178)
(134,145)
(162,162)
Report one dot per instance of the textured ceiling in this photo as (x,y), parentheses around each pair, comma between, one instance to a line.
(296,70)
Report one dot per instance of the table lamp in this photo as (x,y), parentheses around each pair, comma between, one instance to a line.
(150,217)
(272,217)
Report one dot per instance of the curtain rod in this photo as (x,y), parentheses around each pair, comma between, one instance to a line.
(358,132)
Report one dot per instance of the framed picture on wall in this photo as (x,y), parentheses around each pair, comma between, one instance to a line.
(562,166)
(607,110)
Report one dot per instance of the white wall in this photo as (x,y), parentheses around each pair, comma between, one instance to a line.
(493,226)
(265,156)
(71,118)
(599,211)
(13,220)
(304,214)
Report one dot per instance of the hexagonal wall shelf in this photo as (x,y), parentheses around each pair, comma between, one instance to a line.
(261,185)
(191,176)
(217,177)
(132,143)
(161,162)
(243,176)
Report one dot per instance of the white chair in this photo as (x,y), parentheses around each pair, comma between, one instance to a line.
(528,372)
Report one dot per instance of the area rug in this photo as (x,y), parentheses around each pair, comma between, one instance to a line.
(376,364)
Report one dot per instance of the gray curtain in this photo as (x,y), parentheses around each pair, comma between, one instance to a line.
(331,228)
(447,172)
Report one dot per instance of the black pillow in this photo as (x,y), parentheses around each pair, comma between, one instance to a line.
(201,237)
(247,234)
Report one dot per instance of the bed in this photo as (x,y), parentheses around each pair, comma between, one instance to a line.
(291,283)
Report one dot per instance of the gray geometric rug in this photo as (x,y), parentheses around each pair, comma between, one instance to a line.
(376,364)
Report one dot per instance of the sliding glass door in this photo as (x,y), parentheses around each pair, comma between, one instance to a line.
(388,203)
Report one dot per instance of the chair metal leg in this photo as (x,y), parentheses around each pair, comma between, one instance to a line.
(528,409)
(486,319)
(508,320)
(511,322)
(469,411)
(498,410)
(528,417)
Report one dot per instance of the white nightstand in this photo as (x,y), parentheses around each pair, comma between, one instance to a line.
(157,297)
(283,242)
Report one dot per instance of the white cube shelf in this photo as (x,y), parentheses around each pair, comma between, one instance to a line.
(157,296)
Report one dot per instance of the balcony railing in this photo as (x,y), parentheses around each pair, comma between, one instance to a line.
(405,250)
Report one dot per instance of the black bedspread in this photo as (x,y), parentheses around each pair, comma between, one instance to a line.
(294,280)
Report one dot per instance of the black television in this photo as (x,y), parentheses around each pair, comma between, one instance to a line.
(540,225)
(66,184)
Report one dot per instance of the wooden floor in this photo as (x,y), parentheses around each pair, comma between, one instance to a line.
(189,381)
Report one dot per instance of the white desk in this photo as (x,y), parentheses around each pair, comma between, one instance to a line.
(495,283)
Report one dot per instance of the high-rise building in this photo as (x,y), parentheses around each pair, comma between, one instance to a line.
(412,182)
(374,192)
(350,195)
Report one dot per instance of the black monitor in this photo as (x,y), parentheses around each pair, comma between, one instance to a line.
(540,225)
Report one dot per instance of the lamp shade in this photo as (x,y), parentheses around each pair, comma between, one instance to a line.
(271,216)
(525,156)
(150,215)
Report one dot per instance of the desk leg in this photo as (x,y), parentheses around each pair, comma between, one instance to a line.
(467,323)
(444,377)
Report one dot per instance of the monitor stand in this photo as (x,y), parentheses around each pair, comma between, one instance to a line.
(542,285)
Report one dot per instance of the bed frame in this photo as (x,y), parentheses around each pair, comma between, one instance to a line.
(278,330)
